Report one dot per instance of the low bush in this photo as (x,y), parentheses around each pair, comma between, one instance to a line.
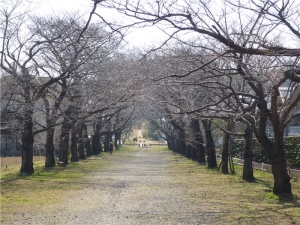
(291,146)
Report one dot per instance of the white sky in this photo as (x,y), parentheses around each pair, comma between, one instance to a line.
(141,38)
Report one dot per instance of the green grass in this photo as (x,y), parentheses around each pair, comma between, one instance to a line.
(249,202)
(46,185)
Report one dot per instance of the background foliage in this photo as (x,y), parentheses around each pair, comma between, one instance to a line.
(150,132)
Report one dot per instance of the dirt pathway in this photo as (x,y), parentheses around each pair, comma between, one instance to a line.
(139,189)
(136,188)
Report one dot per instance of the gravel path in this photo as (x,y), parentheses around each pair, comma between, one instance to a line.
(136,189)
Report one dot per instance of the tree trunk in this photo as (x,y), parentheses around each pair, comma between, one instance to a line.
(87,145)
(226,146)
(74,149)
(248,156)
(49,149)
(200,150)
(106,143)
(181,146)
(170,142)
(188,151)
(225,153)
(175,144)
(194,153)
(210,146)
(180,142)
(51,118)
(275,153)
(80,142)
(282,183)
(95,143)
(64,142)
(27,145)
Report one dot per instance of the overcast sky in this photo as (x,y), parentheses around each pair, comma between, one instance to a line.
(138,37)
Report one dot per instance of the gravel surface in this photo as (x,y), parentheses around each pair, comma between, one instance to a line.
(136,189)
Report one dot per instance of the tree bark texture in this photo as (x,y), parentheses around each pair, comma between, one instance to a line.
(95,143)
(51,118)
(188,151)
(199,150)
(170,142)
(225,153)
(226,146)
(106,143)
(275,151)
(74,149)
(248,156)
(64,142)
(181,146)
(49,148)
(194,153)
(180,140)
(27,145)
(27,135)
(282,183)
(210,145)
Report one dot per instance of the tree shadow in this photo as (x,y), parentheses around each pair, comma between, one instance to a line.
(263,182)
(40,172)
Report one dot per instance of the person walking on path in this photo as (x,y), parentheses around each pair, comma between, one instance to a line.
(111,147)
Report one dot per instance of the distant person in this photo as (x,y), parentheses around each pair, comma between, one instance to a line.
(111,147)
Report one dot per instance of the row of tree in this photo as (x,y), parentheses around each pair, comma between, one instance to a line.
(63,85)
(225,62)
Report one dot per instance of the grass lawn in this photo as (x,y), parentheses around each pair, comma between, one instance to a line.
(252,203)
(46,186)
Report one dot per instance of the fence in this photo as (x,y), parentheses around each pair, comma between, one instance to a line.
(266,167)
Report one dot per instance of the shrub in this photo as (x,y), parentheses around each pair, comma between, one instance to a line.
(291,147)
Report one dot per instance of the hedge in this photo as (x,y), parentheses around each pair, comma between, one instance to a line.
(291,146)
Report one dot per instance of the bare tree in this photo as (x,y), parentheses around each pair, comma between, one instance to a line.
(242,32)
